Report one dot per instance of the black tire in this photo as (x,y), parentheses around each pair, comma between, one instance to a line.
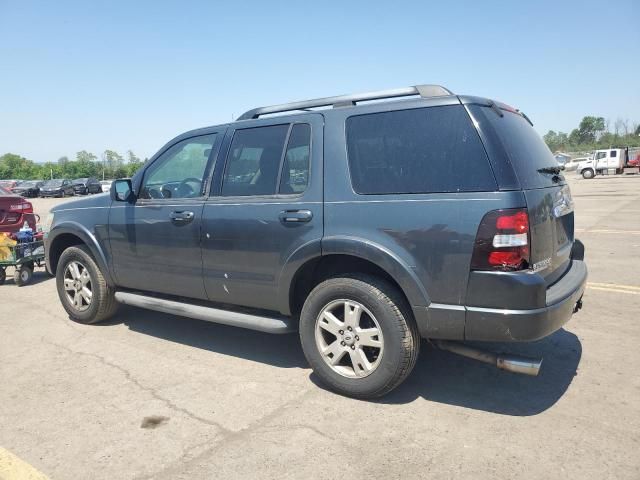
(103,303)
(23,275)
(399,331)
(3,275)
(588,174)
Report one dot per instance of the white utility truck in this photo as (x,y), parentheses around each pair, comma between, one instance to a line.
(606,162)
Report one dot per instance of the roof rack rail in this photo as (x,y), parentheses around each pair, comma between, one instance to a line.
(349,100)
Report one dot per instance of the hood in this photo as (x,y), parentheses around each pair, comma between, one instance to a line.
(99,200)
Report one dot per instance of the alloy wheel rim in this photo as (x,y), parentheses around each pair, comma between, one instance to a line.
(349,338)
(77,286)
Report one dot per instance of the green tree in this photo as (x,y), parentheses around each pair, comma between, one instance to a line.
(133,164)
(590,129)
(84,156)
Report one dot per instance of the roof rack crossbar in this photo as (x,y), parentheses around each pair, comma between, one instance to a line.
(348,100)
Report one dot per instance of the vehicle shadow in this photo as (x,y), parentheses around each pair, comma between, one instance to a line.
(39,276)
(444,377)
(281,351)
(439,376)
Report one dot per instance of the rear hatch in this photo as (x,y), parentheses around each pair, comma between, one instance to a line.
(547,194)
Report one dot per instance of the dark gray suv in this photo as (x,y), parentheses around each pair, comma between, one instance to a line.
(365,226)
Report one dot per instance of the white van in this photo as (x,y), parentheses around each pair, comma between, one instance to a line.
(612,160)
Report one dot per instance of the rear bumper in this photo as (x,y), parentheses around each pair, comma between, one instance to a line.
(530,311)
(507,325)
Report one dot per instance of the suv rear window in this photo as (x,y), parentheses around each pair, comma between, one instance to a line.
(526,150)
(423,150)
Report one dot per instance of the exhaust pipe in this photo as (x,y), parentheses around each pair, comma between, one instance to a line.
(511,363)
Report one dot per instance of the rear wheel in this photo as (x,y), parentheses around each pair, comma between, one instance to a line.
(359,335)
(588,173)
(3,275)
(82,288)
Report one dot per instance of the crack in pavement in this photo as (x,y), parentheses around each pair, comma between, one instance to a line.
(133,380)
(231,436)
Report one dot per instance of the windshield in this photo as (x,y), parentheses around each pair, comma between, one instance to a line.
(28,184)
(533,162)
(53,183)
(80,180)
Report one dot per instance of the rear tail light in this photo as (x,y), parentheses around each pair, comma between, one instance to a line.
(502,241)
(22,207)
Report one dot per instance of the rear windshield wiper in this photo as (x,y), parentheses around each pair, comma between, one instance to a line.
(552,170)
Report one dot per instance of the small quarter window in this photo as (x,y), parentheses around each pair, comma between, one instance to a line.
(614,153)
(295,169)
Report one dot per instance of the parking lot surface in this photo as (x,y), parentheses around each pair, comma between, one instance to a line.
(150,395)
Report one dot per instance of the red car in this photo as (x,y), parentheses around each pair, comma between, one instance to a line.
(14,211)
(634,162)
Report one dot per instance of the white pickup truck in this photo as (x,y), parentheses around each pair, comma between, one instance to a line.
(612,160)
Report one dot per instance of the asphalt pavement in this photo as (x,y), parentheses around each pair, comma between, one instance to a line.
(150,395)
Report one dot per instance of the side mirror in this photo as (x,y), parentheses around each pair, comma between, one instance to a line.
(121,190)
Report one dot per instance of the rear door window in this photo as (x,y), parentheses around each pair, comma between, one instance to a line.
(424,150)
(253,162)
(526,150)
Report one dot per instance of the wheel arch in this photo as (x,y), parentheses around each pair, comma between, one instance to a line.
(69,234)
(346,255)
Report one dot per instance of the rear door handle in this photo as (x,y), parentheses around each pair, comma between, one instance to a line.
(296,216)
(181,217)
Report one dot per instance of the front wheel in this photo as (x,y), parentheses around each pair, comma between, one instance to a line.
(359,336)
(82,288)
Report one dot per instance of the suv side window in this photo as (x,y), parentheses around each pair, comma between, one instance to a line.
(295,169)
(179,172)
(253,161)
(423,150)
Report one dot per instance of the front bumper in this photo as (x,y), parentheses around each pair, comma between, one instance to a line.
(505,325)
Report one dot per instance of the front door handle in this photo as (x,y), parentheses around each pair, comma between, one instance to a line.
(296,216)
(181,217)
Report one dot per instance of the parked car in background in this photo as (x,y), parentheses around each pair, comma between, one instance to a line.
(364,226)
(86,186)
(633,157)
(14,211)
(106,185)
(572,164)
(57,188)
(28,188)
(8,184)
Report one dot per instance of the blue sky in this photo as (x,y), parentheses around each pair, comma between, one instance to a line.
(133,74)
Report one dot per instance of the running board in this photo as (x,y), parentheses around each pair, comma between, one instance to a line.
(209,314)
